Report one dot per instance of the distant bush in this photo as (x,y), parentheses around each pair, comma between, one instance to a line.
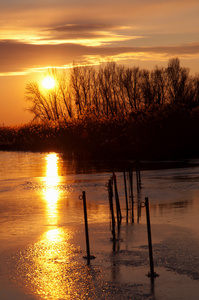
(167,132)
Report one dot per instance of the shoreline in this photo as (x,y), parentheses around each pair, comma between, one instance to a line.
(144,164)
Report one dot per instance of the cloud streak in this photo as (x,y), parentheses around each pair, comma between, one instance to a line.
(20,57)
(41,33)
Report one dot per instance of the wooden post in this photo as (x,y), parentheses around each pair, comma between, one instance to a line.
(131,192)
(138,208)
(126,196)
(151,273)
(138,177)
(118,209)
(88,257)
(110,192)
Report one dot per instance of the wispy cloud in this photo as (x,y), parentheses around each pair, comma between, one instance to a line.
(86,34)
(21,58)
(40,33)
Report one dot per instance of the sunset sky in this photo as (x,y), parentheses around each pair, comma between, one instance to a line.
(37,34)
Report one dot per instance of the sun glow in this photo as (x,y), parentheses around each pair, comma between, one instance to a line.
(48,83)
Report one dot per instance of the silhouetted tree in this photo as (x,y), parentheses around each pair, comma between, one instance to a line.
(158,85)
(132,84)
(146,89)
(53,104)
(111,91)
(106,80)
(196,90)
(177,82)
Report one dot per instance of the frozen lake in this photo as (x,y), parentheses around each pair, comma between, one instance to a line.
(43,240)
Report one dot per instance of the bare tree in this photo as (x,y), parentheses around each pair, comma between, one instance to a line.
(146,88)
(132,84)
(112,90)
(196,89)
(53,104)
(158,85)
(40,107)
(105,80)
(177,82)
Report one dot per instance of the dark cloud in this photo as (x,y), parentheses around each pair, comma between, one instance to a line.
(81,31)
(189,49)
(15,56)
(82,27)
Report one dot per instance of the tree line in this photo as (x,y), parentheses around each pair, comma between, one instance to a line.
(112,90)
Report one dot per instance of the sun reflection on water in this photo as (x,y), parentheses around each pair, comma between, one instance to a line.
(49,265)
(52,192)
(53,271)
(52,267)
(52,177)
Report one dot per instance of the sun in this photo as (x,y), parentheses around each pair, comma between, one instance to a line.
(48,83)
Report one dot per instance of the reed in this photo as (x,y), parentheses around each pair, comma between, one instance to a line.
(159,133)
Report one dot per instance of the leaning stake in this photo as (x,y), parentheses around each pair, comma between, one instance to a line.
(88,257)
(151,274)
(118,209)
(110,192)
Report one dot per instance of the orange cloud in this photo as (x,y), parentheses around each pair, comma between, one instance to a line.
(22,58)
(37,34)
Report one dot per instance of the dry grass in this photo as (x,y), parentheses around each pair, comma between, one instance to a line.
(159,133)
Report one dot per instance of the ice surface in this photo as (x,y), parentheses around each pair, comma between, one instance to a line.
(43,238)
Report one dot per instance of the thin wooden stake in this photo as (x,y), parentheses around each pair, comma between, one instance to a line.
(151,273)
(126,196)
(131,193)
(110,192)
(88,257)
(118,209)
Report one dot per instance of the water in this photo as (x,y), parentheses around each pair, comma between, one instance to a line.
(42,231)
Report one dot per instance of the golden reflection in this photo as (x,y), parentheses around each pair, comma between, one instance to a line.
(52,177)
(52,270)
(46,264)
(52,191)
(53,267)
